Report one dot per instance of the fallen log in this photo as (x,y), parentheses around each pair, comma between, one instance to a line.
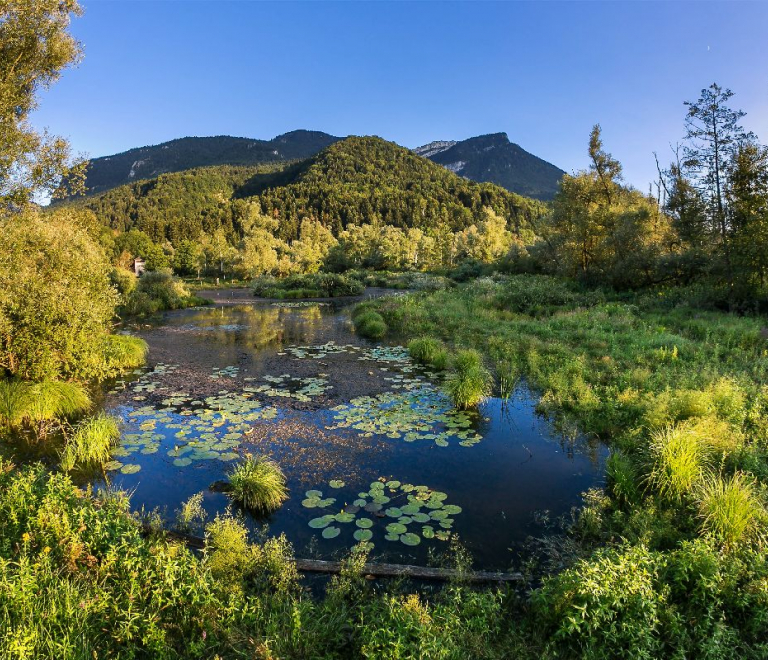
(374,569)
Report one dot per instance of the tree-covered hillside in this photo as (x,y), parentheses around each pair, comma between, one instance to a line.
(192,152)
(354,181)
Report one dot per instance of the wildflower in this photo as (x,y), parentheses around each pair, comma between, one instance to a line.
(26,537)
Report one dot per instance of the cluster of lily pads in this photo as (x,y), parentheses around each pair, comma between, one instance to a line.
(147,383)
(225,372)
(206,429)
(408,513)
(420,412)
(301,303)
(292,387)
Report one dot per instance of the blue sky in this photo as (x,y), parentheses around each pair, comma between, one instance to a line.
(411,72)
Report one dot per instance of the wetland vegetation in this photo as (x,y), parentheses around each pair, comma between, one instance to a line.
(422,369)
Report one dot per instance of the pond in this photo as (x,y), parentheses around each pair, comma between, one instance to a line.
(370,446)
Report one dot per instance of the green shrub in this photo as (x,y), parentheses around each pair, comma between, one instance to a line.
(124,352)
(123,280)
(469,381)
(604,608)
(91,443)
(731,509)
(370,324)
(317,285)
(258,484)
(428,351)
(159,290)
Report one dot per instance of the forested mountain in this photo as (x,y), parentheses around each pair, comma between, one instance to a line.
(191,152)
(493,158)
(354,181)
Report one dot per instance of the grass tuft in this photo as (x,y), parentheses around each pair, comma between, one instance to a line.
(679,459)
(258,484)
(370,324)
(469,382)
(428,351)
(91,443)
(731,510)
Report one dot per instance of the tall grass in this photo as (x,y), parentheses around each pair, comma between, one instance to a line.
(125,352)
(469,382)
(679,459)
(40,406)
(731,510)
(258,484)
(428,351)
(91,443)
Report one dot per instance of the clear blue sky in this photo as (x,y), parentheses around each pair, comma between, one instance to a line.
(411,72)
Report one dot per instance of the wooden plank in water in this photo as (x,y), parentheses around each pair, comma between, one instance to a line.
(374,569)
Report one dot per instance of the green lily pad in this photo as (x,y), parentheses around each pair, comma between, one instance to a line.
(319,523)
(331,532)
(363,535)
(182,462)
(336,483)
(113,465)
(392,537)
(410,539)
(396,528)
(314,493)
(344,517)
(130,468)
(364,523)
(428,532)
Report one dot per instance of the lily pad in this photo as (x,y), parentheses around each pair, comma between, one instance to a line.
(364,523)
(336,483)
(320,523)
(331,532)
(130,468)
(410,539)
(363,535)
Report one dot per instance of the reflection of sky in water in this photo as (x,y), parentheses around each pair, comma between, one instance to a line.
(496,468)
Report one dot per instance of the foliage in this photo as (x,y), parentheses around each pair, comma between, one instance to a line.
(157,291)
(36,49)
(318,285)
(56,301)
(258,484)
(469,382)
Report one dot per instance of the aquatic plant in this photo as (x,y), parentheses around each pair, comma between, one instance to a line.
(191,513)
(428,351)
(92,442)
(40,406)
(396,505)
(258,484)
(730,509)
(469,381)
(370,324)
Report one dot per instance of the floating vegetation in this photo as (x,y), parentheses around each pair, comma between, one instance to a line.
(292,387)
(301,303)
(420,412)
(225,372)
(389,354)
(320,351)
(208,429)
(404,521)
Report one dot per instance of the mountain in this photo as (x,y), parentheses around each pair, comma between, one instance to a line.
(190,152)
(355,180)
(493,158)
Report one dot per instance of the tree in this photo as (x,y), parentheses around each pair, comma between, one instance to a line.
(56,301)
(713,136)
(747,203)
(605,166)
(188,258)
(35,48)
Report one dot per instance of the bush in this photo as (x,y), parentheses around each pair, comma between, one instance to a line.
(428,351)
(469,381)
(123,280)
(370,324)
(157,291)
(317,285)
(258,484)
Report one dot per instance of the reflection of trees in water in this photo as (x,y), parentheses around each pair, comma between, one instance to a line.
(259,326)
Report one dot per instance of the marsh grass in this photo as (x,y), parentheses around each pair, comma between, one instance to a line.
(91,443)
(191,514)
(125,352)
(40,407)
(680,458)
(258,484)
(623,478)
(731,509)
(429,352)
(469,382)
(370,324)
